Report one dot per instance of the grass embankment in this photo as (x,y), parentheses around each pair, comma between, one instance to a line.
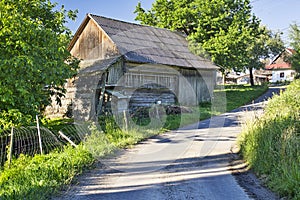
(41,176)
(239,95)
(271,143)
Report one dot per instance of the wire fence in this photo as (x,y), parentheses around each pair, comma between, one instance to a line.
(26,140)
(38,140)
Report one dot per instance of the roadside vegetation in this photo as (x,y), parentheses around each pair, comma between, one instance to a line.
(271,143)
(41,176)
(239,95)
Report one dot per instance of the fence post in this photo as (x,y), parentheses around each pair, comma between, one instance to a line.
(68,139)
(39,133)
(11,146)
(125,120)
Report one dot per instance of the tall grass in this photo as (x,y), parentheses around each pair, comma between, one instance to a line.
(271,143)
(40,176)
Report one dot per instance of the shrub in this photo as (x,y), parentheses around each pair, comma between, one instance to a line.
(13,117)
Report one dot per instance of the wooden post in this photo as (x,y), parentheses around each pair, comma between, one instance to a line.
(39,133)
(99,106)
(156,110)
(11,146)
(66,138)
(125,120)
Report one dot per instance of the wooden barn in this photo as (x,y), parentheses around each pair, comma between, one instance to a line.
(126,66)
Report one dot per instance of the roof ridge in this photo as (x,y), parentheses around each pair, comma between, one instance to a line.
(136,24)
(118,20)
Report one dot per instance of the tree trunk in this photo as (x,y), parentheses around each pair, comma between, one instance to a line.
(251,76)
(224,77)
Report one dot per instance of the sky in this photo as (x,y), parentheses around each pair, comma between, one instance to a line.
(277,15)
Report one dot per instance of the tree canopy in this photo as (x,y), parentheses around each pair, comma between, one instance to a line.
(295,43)
(34,60)
(264,44)
(226,29)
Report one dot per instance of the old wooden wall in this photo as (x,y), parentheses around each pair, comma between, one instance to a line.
(93,43)
(148,84)
(134,85)
(137,76)
(196,86)
(115,73)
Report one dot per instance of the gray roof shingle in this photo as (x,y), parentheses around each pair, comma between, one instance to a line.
(146,44)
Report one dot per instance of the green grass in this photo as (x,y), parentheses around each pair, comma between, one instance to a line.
(41,176)
(57,124)
(271,143)
(201,112)
(239,95)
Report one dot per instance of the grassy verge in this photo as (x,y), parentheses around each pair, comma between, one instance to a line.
(271,144)
(40,176)
(239,95)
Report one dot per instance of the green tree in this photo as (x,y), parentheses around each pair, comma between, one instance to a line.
(34,60)
(261,45)
(220,27)
(294,35)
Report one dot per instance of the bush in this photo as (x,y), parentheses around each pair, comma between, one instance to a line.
(271,144)
(13,117)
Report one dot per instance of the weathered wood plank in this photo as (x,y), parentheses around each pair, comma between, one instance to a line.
(93,43)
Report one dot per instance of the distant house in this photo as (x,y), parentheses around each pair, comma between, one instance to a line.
(281,68)
(125,66)
(237,78)
(244,78)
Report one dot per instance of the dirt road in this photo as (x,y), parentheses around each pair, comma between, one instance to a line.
(191,163)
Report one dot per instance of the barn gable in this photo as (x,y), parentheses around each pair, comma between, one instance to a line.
(91,42)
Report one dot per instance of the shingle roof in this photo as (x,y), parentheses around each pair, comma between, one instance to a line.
(146,44)
(99,65)
(279,66)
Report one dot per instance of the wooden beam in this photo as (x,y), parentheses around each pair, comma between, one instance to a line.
(103,83)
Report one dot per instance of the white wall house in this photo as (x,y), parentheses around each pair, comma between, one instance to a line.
(281,75)
(281,68)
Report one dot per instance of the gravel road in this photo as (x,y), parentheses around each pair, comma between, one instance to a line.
(196,162)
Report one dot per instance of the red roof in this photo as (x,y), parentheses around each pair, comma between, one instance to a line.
(279,66)
(292,51)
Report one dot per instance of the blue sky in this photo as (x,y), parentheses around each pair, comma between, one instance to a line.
(275,14)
